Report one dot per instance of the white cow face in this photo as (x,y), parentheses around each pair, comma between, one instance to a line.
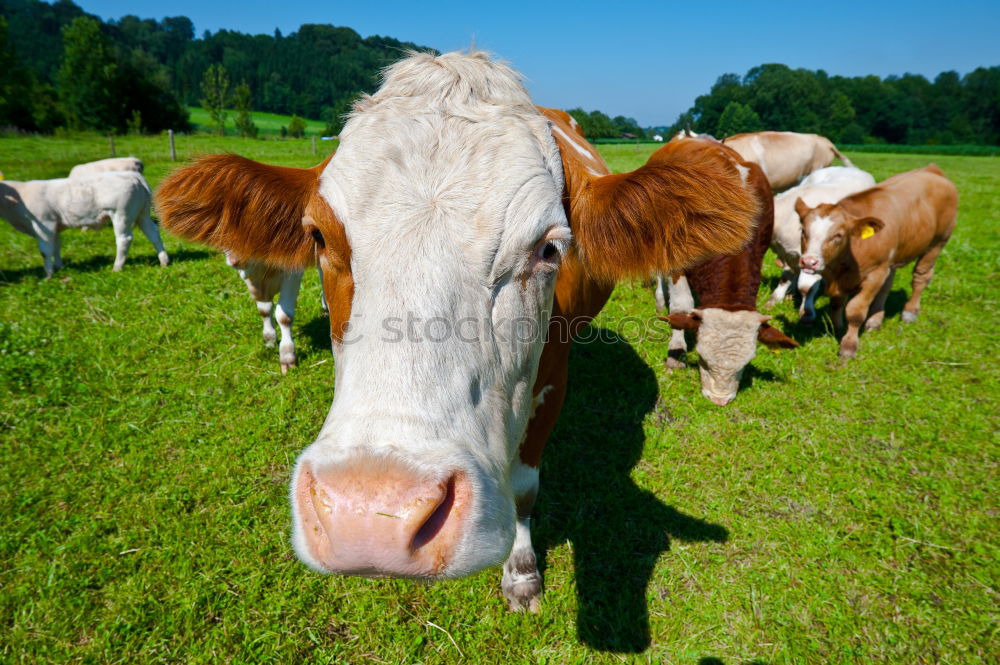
(452,207)
(727,342)
(827,232)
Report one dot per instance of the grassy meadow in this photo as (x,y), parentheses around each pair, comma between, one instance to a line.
(835,512)
(268,124)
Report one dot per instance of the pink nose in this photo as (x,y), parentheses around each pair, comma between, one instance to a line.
(809,262)
(376,517)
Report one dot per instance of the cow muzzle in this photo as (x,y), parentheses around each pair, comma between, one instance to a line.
(810,264)
(377,516)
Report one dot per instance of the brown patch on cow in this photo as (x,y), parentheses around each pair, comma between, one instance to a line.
(233,203)
(773,338)
(683,206)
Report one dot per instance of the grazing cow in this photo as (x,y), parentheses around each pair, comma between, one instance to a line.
(110,164)
(858,243)
(786,156)
(827,185)
(727,322)
(265,281)
(43,208)
(464,236)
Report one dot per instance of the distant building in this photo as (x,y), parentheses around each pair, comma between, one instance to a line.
(626,135)
(657,138)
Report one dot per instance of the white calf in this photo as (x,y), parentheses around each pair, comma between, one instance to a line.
(105,165)
(264,282)
(44,208)
(827,185)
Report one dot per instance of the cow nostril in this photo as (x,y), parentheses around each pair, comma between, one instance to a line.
(432,526)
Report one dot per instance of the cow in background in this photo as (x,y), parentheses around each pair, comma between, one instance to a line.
(858,243)
(44,208)
(105,165)
(452,200)
(827,185)
(726,322)
(264,283)
(786,157)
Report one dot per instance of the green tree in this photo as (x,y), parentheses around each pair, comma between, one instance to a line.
(738,119)
(215,95)
(88,79)
(296,127)
(243,104)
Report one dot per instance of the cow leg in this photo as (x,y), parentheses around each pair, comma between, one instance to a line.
(808,287)
(922,273)
(264,308)
(522,582)
(123,238)
(57,262)
(857,311)
(837,308)
(780,291)
(877,312)
(286,313)
(152,231)
(661,296)
(681,300)
(47,242)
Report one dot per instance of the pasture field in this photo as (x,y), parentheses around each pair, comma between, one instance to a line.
(833,513)
(268,124)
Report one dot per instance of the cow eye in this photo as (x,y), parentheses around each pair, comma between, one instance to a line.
(318,237)
(549,251)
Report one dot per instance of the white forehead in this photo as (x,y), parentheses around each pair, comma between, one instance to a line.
(818,230)
(449,155)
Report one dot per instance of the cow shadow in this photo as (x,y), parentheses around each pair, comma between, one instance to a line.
(97,264)
(710,660)
(587,496)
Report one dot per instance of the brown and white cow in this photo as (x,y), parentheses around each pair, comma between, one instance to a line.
(786,157)
(726,322)
(858,243)
(457,224)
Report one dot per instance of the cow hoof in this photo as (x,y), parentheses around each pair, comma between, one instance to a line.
(673,363)
(873,325)
(848,353)
(523,591)
(908,317)
(807,320)
(522,583)
(285,366)
(164,259)
(270,340)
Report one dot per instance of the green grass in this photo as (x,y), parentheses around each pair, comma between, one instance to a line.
(268,124)
(833,513)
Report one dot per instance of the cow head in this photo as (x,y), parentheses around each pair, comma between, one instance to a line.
(827,232)
(441,225)
(726,343)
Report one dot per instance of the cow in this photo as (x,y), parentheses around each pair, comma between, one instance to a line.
(858,243)
(110,164)
(786,157)
(264,282)
(727,323)
(827,185)
(44,208)
(465,235)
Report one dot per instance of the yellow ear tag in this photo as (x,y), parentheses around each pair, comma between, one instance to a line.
(867,232)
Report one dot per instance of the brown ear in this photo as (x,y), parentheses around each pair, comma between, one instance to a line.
(683,320)
(801,209)
(773,338)
(678,209)
(253,210)
(866,227)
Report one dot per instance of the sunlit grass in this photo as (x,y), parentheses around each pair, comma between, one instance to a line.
(834,513)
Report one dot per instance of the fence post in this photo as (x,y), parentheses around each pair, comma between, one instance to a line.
(173,151)
(111,143)
(314,145)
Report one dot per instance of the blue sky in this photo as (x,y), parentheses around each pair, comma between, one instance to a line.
(647,60)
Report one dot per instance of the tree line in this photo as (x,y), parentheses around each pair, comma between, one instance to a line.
(61,67)
(907,109)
